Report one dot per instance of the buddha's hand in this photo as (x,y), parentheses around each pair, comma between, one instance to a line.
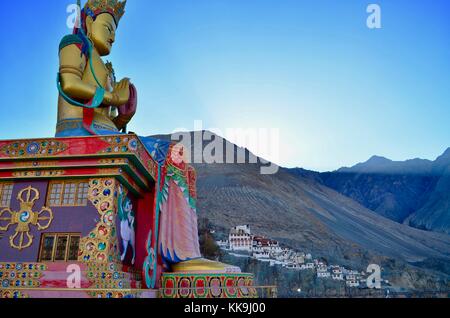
(127,110)
(121,93)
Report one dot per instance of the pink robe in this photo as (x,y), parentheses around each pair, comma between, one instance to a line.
(178,227)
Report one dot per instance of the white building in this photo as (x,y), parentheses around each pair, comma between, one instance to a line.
(293,266)
(322,271)
(271,246)
(262,256)
(352,280)
(309,265)
(337,273)
(303,267)
(325,274)
(240,238)
(276,262)
(300,258)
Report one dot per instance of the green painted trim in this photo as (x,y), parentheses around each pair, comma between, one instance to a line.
(69,40)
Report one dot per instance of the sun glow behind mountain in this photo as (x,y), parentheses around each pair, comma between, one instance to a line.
(337,91)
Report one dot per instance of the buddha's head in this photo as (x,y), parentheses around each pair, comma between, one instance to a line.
(100,19)
(102,32)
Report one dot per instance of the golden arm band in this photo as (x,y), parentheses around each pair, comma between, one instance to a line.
(64,69)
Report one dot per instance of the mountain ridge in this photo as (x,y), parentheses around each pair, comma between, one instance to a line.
(415,192)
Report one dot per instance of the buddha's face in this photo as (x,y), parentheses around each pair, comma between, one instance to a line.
(102,32)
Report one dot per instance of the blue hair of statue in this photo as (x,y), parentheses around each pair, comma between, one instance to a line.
(89,12)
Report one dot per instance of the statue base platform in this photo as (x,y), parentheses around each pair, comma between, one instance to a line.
(60,224)
(51,280)
(207,285)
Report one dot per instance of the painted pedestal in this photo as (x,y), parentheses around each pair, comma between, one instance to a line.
(207,285)
(63,230)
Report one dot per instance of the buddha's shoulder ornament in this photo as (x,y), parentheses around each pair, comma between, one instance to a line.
(74,39)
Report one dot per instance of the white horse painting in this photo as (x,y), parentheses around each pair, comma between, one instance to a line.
(127,225)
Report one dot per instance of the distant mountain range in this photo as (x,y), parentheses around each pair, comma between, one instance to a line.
(297,208)
(415,192)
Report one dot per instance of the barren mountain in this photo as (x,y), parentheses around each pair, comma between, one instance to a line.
(303,213)
(416,192)
(308,215)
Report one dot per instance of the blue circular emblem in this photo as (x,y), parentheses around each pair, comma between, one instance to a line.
(33,148)
(133,144)
(24,216)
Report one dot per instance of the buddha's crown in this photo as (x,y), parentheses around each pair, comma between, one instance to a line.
(114,7)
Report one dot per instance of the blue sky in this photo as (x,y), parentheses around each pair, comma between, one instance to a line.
(338,91)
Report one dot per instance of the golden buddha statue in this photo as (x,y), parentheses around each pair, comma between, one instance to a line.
(84,76)
(91,102)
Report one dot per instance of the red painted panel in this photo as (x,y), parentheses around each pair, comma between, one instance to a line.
(75,146)
(144,220)
(84,145)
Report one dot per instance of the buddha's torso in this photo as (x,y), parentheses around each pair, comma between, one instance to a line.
(102,115)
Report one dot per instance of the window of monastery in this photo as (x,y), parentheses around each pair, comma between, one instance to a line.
(57,247)
(6,190)
(68,193)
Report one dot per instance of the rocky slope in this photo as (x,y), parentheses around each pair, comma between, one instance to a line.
(305,214)
(308,215)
